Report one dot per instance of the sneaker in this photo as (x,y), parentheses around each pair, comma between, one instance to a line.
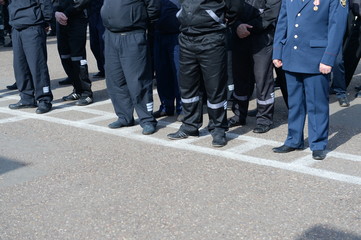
(219,139)
(181,135)
(83,101)
(71,97)
(43,107)
(20,105)
(148,129)
(343,101)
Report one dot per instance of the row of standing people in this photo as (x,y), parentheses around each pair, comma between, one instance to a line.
(203,62)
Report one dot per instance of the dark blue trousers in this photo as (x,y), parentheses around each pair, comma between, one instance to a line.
(96,33)
(30,65)
(308,94)
(166,63)
(129,76)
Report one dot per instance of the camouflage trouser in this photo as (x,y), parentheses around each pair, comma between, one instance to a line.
(2,39)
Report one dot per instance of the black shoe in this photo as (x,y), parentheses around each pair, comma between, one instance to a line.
(12,87)
(43,107)
(148,129)
(261,128)
(283,149)
(343,101)
(161,113)
(181,135)
(219,139)
(118,124)
(252,113)
(83,101)
(358,88)
(318,154)
(99,75)
(71,97)
(66,81)
(235,121)
(20,105)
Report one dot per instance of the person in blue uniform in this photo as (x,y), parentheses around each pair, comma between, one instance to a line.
(308,37)
(29,20)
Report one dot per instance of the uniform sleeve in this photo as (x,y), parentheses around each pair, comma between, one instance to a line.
(233,9)
(78,6)
(337,21)
(47,9)
(153,9)
(281,32)
(267,17)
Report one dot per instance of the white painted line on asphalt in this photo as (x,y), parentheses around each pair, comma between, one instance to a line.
(132,133)
(305,161)
(244,147)
(96,119)
(12,119)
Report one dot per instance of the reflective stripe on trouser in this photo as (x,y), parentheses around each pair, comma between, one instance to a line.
(129,76)
(30,65)
(252,66)
(203,70)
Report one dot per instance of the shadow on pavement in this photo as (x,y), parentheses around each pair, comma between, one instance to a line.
(322,232)
(7,165)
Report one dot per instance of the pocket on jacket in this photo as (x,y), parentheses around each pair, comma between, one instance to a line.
(318,43)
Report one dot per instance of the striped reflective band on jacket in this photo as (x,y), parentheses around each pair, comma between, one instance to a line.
(215,17)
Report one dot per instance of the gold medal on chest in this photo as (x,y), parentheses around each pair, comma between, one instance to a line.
(315,8)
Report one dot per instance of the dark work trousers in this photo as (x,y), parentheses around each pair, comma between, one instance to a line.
(230,85)
(203,61)
(338,84)
(252,63)
(30,65)
(96,33)
(281,80)
(71,47)
(129,76)
(166,63)
(308,94)
(352,48)
(2,26)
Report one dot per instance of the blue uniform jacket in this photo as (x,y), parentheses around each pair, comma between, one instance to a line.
(307,35)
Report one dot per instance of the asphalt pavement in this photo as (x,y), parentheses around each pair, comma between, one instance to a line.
(66,175)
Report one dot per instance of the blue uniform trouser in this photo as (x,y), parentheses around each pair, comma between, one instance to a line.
(166,63)
(30,65)
(203,64)
(129,76)
(308,94)
(96,32)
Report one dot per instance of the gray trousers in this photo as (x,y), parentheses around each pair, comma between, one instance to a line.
(30,65)
(129,76)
